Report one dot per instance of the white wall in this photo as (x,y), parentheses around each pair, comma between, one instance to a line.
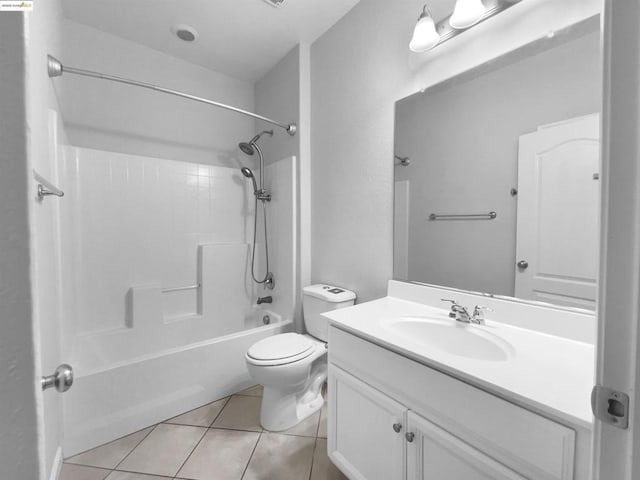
(280,95)
(462,139)
(19,445)
(359,68)
(277,96)
(126,119)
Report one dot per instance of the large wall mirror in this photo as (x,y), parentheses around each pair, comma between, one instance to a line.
(497,175)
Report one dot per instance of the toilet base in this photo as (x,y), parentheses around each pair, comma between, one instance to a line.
(282,410)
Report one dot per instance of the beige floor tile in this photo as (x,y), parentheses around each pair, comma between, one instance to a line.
(240,413)
(79,472)
(133,476)
(110,454)
(306,428)
(322,428)
(164,450)
(255,391)
(281,457)
(221,455)
(322,468)
(200,417)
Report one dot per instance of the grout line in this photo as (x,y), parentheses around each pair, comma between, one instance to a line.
(107,443)
(137,445)
(191,452)
(251,457)
(218,414)
(313,457)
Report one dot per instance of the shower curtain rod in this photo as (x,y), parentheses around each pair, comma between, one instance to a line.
(56,69)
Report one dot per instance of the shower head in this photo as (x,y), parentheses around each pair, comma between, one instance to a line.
(248,147)
(249,174)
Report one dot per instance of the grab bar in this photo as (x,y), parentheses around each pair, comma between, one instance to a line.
(178,289)
(404,161)
(462,216)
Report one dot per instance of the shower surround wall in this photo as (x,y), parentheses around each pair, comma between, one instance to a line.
(132,227)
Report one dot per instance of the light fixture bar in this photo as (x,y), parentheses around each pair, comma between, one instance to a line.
(447,32)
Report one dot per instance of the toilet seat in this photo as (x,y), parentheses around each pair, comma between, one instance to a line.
(280,349)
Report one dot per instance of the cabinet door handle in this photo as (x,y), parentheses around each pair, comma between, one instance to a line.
(397,427)
(409,436)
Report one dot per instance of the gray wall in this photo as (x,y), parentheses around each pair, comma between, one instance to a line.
(462,138)
(358,70)
(19,412)
(277,96)
(126,119)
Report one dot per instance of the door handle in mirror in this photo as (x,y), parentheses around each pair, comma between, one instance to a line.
(62,379)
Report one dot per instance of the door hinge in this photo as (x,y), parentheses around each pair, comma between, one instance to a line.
(610,406)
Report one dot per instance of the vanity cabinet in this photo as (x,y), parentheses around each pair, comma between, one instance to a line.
(369,439)
(435,454)
(392,418)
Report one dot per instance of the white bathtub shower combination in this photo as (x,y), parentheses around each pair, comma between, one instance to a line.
(158,301)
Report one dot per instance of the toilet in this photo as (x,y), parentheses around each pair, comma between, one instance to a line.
(293,367)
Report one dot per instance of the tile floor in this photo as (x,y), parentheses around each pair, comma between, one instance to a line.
(219,441)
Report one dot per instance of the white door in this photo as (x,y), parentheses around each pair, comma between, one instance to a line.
(434,454)
(558,213)
(366,429)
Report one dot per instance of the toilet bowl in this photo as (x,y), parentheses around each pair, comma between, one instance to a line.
(293,367)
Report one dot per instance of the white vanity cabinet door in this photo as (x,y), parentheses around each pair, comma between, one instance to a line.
(362,441)
(434,454)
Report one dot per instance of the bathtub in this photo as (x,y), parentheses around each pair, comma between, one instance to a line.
(110,402)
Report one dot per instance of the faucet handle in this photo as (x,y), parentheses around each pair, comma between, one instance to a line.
(453,302)
(454,307)
(478,312)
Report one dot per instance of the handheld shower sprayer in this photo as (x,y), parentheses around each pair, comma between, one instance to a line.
(249,174)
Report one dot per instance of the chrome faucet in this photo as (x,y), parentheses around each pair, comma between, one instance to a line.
(264,300)
(461,314)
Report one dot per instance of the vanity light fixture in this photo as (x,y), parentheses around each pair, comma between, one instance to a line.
(467,13)
(425,36)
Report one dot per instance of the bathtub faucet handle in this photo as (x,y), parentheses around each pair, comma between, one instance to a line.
(265,300)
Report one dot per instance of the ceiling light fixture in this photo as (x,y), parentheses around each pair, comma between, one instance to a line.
(467,13)
(185,32)
(275,3)
(424,36)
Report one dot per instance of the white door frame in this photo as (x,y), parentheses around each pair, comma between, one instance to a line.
(619,294)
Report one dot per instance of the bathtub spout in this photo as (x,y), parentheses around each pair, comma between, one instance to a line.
(264,300)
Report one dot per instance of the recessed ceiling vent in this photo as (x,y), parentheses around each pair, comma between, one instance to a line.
(275,3)
(185,32)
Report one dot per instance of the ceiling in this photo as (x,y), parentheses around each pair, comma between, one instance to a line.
(241,38)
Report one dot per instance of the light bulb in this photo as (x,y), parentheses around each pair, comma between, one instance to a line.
(425,36)
(467,13)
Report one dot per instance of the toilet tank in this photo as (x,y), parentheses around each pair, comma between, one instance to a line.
(320,298)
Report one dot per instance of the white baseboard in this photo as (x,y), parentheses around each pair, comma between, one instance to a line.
(57,465)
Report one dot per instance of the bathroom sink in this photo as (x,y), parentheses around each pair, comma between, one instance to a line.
(455,338)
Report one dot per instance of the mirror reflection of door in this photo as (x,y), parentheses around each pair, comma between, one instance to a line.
(558,212)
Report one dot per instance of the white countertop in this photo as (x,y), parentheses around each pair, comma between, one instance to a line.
(549,373)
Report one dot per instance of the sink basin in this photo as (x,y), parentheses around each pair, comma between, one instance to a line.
(454,338)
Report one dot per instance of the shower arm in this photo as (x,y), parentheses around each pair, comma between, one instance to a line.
(56,69)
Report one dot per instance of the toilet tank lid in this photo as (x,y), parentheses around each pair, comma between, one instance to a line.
(329,293)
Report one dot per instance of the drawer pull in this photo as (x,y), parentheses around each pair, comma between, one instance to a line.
(397,427)
(409,436)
